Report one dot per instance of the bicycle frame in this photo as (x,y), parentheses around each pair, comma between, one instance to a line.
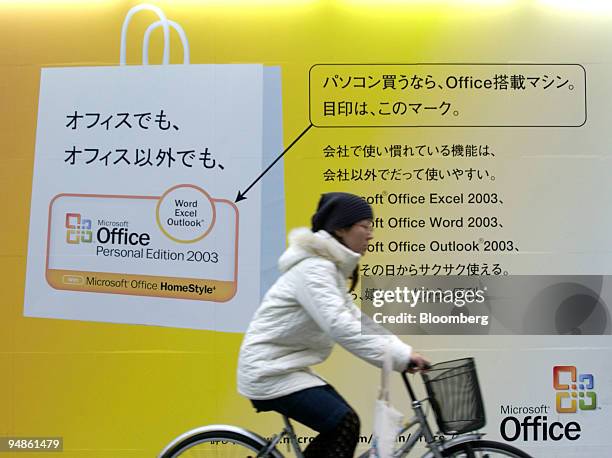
(286,432)
(436,447)
(421,419)
(424,431)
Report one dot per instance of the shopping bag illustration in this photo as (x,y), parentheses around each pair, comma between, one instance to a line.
(136,168)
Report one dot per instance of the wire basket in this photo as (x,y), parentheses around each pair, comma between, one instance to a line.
(455,397)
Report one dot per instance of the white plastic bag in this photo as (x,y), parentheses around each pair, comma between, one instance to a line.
(387,420)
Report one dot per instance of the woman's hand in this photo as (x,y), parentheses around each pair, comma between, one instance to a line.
(417,363)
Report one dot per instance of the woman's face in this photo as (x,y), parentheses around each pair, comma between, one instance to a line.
(357,236)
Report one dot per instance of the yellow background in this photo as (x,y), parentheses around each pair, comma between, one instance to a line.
(123,390)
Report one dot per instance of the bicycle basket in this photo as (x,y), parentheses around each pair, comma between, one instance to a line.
(455,397)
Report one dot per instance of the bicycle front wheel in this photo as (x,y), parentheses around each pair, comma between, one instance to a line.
(483,449)
(218,444)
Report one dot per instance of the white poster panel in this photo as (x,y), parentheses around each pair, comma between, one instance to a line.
(132,216)
(547,401)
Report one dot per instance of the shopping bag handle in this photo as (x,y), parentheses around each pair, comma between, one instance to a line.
(147,37)
(384,375)
(164,24)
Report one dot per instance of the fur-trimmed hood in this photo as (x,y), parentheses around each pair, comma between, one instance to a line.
(303,243)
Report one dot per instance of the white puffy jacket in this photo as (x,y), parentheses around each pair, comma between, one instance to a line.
(300,317)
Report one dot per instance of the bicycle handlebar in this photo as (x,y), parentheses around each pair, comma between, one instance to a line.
(412,365)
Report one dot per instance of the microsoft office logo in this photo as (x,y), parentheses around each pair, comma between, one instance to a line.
(78,229)
(574,391)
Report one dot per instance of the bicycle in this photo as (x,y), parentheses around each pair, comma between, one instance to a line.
(452,391)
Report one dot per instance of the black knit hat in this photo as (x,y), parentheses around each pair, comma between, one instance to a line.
(337,210)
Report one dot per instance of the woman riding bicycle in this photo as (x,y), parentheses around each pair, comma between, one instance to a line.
(300,318)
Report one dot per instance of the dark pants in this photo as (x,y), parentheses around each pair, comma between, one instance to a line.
(320,408)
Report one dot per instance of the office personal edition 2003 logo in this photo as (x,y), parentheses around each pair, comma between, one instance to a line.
(78,229)
(574,391)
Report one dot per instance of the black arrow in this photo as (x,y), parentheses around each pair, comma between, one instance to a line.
(241,195)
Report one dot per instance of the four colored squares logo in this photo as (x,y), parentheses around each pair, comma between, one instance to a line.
(574,391)
(78,229)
